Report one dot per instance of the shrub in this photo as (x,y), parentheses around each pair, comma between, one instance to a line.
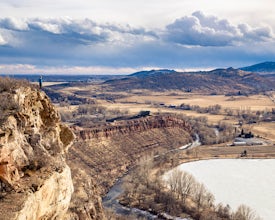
(7,103)
(7,106)
(9,84)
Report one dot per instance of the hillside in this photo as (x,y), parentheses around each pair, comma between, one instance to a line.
(264,68)
(152,72)
(110,150)
(219,81)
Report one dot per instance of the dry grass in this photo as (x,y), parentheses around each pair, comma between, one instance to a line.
(136,103)
(90,155)
(135,108)
(266,130)
(223,151)
(255,102)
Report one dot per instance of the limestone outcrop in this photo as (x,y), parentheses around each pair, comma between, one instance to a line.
(35,181)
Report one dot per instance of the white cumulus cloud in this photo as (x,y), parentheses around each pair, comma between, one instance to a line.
(13,24)
(79,31)
(188,42)
(203,30)
(2,40)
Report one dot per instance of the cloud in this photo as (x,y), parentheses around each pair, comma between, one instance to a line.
(197,40)
(202,30)
(256,34)
(34,69)
(195,30)
(82,31)
(2,41)
(60,41)
(13,24)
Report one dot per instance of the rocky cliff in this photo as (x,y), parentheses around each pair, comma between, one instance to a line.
(132,126)
(35,181)
(105,153)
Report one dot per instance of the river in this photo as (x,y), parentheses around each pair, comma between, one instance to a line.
(110,201)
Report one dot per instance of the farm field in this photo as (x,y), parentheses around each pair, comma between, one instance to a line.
(266,130)
(254,102)
(165,102)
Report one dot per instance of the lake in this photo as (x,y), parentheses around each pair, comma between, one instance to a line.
(238,181)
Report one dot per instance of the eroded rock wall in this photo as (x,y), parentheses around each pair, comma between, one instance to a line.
(51,200)
(132,126)
(106,153)
(35,181)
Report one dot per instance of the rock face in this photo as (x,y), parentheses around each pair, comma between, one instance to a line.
(107,152)
(86,203)
(35,181)
(52,199)
(133,126)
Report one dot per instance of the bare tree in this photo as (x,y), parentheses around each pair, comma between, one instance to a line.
(223,211)
(139,180)
(245,213)
(145,165)
(174,180)
(202,197)
(186,186)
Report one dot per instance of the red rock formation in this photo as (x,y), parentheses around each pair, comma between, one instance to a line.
(130,126)
(107,152)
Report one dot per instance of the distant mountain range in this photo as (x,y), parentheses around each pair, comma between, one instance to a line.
(219,81)
(266,67)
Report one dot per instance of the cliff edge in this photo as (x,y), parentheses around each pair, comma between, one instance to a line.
(35,181)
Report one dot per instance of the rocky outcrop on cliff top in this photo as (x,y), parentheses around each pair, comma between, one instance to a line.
(35,181)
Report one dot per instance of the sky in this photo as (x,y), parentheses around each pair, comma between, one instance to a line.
(125,36)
